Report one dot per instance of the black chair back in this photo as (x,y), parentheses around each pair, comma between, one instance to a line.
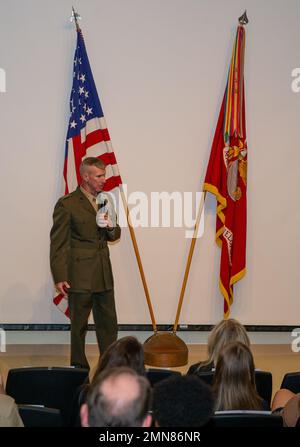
(263,380)
(156,375)
(245,419)
(264,385)
(291,381)
(206,376)
(40,416)
(50,387)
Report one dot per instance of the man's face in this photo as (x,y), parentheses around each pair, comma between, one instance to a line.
(94,179)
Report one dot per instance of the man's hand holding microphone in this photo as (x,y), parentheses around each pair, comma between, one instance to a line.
(104,216)
(103,220)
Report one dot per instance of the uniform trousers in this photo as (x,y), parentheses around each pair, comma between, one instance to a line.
(102,305)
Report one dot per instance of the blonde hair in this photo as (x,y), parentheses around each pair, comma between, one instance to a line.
(234,379)
(226,331)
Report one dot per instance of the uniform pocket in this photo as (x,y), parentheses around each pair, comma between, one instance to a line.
(81,269)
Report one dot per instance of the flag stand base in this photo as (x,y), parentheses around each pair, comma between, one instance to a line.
(165,349)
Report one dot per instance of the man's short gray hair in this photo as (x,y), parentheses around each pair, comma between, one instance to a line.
(91,161)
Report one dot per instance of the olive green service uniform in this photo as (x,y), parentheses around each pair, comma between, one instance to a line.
(79,255)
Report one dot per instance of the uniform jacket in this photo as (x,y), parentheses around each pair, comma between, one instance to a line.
(78,252)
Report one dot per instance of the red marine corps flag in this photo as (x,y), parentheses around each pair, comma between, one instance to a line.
(226,176)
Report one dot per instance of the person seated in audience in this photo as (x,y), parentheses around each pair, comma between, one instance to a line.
(182,401)
(226,331)
(234,380)
(9,414)
(118,397)
(287,404)
(126,351)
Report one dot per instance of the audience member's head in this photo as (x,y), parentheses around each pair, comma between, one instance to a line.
(126,351)
(182,401)
(226,331)
(9,413)
(234,379)
(119,397)
(291,412)
(287,404)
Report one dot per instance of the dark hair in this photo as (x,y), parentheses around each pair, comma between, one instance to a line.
(108,404)
(126,351)
(182,401)
(234,379)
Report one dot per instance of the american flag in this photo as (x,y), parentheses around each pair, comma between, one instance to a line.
(87,134)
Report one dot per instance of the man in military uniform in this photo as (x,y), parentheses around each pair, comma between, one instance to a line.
(80,262)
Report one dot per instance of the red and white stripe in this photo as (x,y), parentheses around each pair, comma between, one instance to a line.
(93,141)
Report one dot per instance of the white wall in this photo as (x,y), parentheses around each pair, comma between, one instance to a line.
(160,67)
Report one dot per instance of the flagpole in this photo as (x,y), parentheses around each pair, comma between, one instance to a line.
(166,348)
(189,261)
(139,261)
(75,16)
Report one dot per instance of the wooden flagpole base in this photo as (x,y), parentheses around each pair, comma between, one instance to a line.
(165,349)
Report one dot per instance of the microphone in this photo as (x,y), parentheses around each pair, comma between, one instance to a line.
(102,202)
(106,207)
(102,205)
